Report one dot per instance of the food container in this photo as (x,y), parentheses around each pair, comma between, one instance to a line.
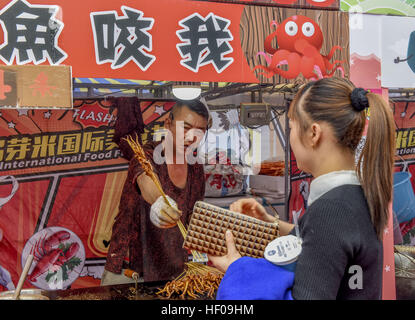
(25,294)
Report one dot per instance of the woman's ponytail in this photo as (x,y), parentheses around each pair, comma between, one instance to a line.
(375,165)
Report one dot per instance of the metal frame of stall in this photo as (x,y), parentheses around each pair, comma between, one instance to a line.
(213,91)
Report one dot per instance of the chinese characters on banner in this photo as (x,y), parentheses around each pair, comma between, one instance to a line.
(37,141)
(196,41)
(32,34)
(119,40)
(204,41)
(55,149)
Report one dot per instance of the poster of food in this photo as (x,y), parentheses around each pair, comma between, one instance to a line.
(59,257)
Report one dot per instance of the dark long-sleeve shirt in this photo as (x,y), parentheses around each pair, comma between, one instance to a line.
(338,239)
(156,253)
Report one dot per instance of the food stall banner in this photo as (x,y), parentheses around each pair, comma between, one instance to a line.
(381,7)
(197,41)
(61,179)
(317,4)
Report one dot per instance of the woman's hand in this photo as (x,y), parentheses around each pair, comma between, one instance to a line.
(223,263)
(252,208)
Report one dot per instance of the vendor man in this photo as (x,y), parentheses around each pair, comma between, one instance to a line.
(145,228)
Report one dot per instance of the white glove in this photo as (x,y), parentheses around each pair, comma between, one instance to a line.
(162,215)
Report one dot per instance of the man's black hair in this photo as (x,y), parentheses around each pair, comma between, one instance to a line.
(195,106)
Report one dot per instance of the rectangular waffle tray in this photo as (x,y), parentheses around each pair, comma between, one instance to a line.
(206,232)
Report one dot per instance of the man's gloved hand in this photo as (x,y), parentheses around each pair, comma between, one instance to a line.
(162,215)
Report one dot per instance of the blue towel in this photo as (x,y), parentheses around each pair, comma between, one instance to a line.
(255,279)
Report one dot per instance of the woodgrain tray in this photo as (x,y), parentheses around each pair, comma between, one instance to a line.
(206,232)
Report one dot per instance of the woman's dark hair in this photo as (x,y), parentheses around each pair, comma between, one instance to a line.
(337,102)
(195,106)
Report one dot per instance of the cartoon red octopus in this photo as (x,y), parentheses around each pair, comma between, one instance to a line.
(299,44)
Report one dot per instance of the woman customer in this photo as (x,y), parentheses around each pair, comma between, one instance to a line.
(342,229)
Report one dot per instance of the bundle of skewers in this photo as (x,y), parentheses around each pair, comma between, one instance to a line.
(197,281)
(196,278)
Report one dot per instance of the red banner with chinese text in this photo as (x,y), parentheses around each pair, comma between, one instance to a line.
(197,41)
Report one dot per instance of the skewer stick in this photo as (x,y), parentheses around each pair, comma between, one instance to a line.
(23,276)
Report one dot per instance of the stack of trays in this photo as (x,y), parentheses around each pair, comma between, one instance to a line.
(206,232)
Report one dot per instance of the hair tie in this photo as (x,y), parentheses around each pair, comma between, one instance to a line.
(359,99)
